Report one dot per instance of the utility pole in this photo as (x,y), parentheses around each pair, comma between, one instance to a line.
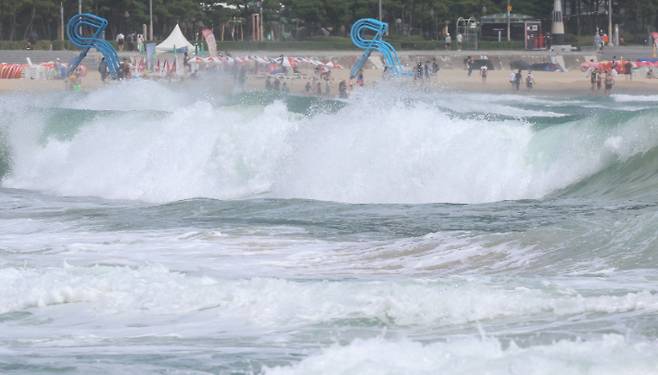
(509,15)
(380,10)
(610,31)
(261,21)
(151,20)
(80,12)
(61,20)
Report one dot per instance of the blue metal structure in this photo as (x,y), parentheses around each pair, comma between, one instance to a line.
(85,42)
(391,58)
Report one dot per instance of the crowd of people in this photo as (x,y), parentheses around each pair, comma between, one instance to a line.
(599,78)
(426,70)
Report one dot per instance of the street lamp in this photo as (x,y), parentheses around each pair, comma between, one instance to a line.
(380,10)
(610,39)
(509,10)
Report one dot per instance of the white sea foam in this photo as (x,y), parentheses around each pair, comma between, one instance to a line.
(608,355)
(623,98)
(277,302)
(367,152)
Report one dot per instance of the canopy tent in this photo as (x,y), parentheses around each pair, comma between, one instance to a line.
(175,42)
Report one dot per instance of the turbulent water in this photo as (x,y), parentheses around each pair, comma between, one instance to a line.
(148,228)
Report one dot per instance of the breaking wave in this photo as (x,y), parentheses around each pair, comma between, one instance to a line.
(368,152)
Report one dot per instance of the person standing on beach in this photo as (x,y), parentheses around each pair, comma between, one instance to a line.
(518,76)
(628,69)
(483,73)
(60,69)
(103,69)
(121,39)
(599,80)
(419,71)
(435,66)
(469,65)
(359,79)
(593,77)
(342,89)
(609,82)
(460,40)
(530,81)
(448,41)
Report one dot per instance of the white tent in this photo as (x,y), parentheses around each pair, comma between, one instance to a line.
(175,40)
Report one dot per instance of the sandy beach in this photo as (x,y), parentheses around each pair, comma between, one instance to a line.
(572,82)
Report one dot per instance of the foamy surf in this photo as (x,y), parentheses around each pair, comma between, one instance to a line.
(402,231)
(400,154)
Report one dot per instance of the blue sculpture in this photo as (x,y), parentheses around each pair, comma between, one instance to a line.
(391,58)
(85,42)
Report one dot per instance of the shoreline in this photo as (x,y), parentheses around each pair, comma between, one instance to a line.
(571,83)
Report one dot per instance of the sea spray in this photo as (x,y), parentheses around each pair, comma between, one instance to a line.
(395,152)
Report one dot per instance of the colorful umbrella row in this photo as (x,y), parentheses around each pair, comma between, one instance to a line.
(11,71)
(287,61)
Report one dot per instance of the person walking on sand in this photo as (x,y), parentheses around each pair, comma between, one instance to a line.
(483,73)
(469,65)
(448,41)
(530,80)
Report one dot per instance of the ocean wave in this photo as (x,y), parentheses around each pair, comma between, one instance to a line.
(623,98)
(278,302)
(607,355)
(369,152)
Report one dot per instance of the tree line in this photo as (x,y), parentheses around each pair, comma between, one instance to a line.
(302,19)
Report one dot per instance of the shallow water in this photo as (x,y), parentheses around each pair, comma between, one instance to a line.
(147,228)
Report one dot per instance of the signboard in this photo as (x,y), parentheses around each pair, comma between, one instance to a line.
(150,56)
(210,41)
